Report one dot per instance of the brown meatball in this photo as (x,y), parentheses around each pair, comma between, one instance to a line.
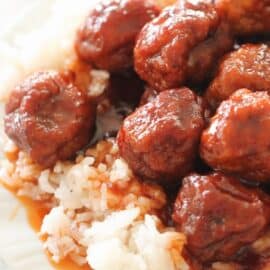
(107,37)
(160,139)
(219,215)
(247,17)
(248,67)
(49,117)
(181,45)
(238,140)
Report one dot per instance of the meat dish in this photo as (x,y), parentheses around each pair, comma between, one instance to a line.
(150,142)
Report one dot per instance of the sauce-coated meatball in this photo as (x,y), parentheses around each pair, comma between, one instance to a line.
(238,139)
(49,117)
(247,17)
(107,37)
(248,67)
(219,215)
(181,45)
(160,139)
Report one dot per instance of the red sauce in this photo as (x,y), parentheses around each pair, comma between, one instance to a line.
(165,3)
(68,264)
(35,212)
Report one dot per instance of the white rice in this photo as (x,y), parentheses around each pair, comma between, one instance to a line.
(45,41)
(122,236)
(98,204)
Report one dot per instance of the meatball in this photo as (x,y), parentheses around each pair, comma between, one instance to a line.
(219,215)
(181,45)
(247,17)
(248,67)
(237,140)
(160,139)
(49,117)
(107,37)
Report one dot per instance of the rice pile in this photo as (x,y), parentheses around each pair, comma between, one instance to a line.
(41,39)
(97,207)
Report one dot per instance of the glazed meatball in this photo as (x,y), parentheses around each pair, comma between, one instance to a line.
(247,17)
(49,117)
(237,140)
(107,37)
(248,67)
(219,215)
(181,45)
(160,139)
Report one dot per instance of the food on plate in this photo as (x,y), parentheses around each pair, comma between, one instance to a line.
(94,205)
(119,96)
(237,140)
(181,45)
(219,215)
(149,94)
(160,139)
(165,3)
(125,87)
(247,67)
(107,37)
(249,17)
(49,117)
(118,152)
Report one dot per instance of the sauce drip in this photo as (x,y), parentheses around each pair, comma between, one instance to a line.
(68,264)
(35,212)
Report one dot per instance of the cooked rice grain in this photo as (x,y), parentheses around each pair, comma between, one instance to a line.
(98,204)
